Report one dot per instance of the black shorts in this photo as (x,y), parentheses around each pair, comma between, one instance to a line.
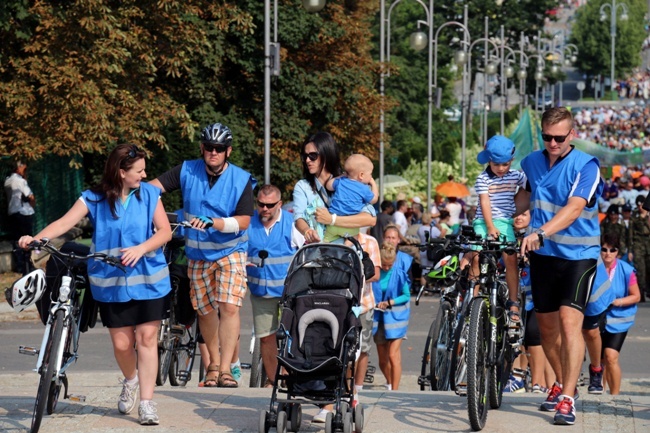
(132,313)
(593,322)
(531,334)
(613,341)
(559,282)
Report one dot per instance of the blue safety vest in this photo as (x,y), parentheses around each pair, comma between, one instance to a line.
(149,278)
(621,319)
(396,319)
(268,280)
(220,201)
(602,294)
(550,193)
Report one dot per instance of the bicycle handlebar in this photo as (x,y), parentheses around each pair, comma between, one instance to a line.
(44,244)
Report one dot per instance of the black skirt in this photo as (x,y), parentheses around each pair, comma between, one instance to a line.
(132,313)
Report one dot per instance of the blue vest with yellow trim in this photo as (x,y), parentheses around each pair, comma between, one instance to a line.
(220,201)
(268,281)
(149,278)
(602,294)
(550,192)
(621,319)
(396,319)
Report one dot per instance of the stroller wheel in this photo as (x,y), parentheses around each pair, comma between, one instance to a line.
(296,417)
(358,418)
(264,423)
(329,423)
(281,426)
(345,407)
(347,422)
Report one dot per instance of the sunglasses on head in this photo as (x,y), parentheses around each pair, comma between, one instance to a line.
(220,148)
(267,205)
(312,156)
(558,138)
(608,250)
(133,152)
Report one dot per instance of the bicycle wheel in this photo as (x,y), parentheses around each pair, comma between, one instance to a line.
(477,371)
(47,370)
(440,359)
(258,373)
(180,370)
(458,364)
(500,371)
(426,374)
(165,346)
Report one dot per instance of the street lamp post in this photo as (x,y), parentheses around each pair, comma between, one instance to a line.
(521,73)
(272,68)
(613,8)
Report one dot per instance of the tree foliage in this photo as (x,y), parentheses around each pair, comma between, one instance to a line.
(592,37)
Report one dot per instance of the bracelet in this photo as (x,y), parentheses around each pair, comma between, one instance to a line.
(333,219)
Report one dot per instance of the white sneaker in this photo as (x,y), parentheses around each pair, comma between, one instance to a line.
(147,413)
(321,416)
(126,402)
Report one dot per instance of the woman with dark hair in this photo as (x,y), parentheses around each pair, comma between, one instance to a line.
(321,161)
(614,298)
(124,212)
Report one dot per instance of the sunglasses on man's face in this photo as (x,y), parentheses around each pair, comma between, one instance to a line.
(312,156)
(558,138)
(267,205)
(220,148)
(609,250)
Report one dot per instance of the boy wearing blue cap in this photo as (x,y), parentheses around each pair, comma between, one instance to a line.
(496,187)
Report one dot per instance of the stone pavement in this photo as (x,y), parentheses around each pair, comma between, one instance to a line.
(194,409)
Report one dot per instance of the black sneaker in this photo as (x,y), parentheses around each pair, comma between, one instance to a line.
(595,381)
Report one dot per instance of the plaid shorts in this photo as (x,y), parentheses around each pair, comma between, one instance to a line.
(223,281)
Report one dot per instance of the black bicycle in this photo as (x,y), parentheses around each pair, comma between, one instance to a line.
(69,314)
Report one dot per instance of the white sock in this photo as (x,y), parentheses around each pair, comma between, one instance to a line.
(389,387)
(133,381)
(144,401)
(357,388)
(235,364)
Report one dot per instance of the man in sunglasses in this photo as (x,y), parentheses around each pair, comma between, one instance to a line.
(564,244)
(218,202)
(272,242)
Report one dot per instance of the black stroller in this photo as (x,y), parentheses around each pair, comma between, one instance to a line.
(318,339)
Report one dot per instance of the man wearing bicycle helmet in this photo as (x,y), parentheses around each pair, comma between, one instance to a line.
(218,202)
(564,244)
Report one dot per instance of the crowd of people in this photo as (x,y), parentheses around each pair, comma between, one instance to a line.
(622,128)
(241,242)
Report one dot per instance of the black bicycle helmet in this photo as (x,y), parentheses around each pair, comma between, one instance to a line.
(216,133)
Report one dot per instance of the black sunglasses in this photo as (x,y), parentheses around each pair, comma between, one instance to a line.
(133,152)
(558,138)
(610,250)
(267,205)
(312,156)
(220,148)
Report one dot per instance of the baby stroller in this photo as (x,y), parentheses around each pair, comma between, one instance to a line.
(318,338)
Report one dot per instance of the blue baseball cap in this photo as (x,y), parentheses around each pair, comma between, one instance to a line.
(498,149)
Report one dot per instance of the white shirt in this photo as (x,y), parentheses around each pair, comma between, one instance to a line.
(16,188)
(400,220)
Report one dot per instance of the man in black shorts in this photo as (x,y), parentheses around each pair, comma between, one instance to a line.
(564,243)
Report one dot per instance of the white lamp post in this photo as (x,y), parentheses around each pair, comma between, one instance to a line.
(613,8)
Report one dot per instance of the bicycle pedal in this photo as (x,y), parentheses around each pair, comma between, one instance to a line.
(246,366)
(371,369)
(424,380)
(177,329)
(184,376)
(369,378)
(26,350)
(77,398)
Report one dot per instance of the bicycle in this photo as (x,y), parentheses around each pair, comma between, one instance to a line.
(491,345)
(67,319)
(177,335)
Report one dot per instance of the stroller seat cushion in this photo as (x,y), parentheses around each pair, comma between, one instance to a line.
(318,315)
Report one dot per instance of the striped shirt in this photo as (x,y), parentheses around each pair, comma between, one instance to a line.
(501,191)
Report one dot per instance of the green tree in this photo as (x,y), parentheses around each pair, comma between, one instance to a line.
(592,37)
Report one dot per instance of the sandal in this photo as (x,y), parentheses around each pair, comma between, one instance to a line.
(226,380)
(211,380)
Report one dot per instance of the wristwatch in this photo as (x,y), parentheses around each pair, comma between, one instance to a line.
(541,234)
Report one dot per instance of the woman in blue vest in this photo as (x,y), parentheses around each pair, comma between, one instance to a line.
(124,212)
(621,312)
(390,323)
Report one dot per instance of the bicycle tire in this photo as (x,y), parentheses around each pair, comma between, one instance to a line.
(425,371)
(46,370)
(458,364)
(258,373)
(440,359)
(477,374)
(184,352)
(165,346)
